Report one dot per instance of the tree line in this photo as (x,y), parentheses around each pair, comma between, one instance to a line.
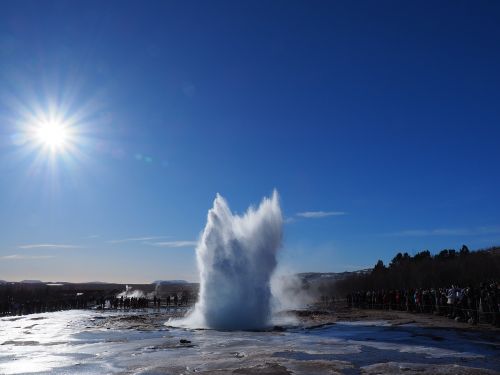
(424,270)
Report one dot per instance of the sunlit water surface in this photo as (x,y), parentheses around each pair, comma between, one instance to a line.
(71,342)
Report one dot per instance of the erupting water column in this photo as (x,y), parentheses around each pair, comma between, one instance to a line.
(236,257)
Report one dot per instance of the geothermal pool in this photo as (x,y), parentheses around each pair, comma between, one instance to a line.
(93,342)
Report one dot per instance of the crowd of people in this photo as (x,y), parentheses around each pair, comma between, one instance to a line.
(127,303)
(10,306)
(35,306)
(468,304)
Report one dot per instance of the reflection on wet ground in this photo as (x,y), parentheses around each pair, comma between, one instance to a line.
(91,342)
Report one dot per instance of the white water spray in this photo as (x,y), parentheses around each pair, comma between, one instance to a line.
(236,257)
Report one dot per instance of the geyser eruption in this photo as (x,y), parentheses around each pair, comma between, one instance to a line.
(236,257)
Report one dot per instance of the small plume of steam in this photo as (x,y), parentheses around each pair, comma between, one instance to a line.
(129,292)
(236,257)
(289,292)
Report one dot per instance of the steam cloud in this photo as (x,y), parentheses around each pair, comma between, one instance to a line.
(236,258)
(129,292)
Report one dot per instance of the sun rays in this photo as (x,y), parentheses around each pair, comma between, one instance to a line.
(48,132)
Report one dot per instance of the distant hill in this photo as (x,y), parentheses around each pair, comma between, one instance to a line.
(493,250)
(330,276)
(170,282)
(31,282)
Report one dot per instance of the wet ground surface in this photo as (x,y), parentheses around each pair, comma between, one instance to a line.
(92,342)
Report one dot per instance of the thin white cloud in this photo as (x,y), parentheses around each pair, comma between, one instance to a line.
(138,239)
(478,231)
(175,244)
(48,246)
(25,257)
(319,214)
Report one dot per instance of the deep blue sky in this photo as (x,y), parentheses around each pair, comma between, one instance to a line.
(386,111)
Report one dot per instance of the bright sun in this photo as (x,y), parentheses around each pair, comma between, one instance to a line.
(52,134)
